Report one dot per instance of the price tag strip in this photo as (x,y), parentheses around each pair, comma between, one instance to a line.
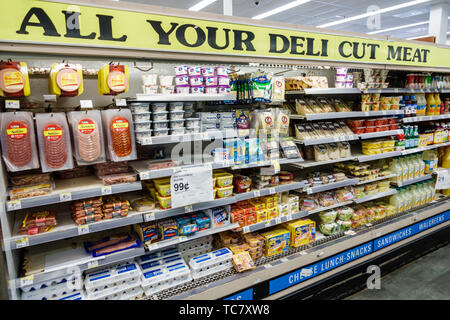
(106,190)
(443,179)
(149,216)
(26,281)
(121,102)
(66,196)
(12,104)
(83,229)
(92,264)
(14,205)
(22,243)
(191,185)
(86,104)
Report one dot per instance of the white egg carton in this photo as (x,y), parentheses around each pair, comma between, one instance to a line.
(77,295)
(157,255)
(189,254)
(114,288)
(165,277)
(105,278)
(194,244)
(155,262)
(130,294)
(211,262)
(52,282)
(56,291)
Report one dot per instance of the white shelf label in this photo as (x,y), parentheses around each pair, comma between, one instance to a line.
(147,141)
(188,208)
(309,190)
(272,190)
(368,224)
(191,185)
(106,190)
(83,229)
(149,216)
(350,233)
(257,193)
(303,253)
(66,196)
(12,104)
(144,175)
(268,265)
(49,97)
(92,264)
(245,229)
(22,243)
(14,205)
(26,281)
(182,238)
(277,220)
(86,104)
(121,102)
(443,179)
(284,260)
(276,166)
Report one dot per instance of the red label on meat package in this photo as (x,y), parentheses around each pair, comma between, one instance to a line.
(86,126)
(16,130)
(53,132)
(120,124)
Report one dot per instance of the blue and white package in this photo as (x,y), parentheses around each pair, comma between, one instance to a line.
(211,262)
(100,279)
(164,277)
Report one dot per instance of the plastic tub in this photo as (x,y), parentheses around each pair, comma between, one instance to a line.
(380,122)
(150,89)
(144,134)
(161,124)
(160,132)
(150,79)
(175,124)
(167,89)
(211,90)
(159,107)
(208,71)
(369,123)
(223,192)
(192,122)
(195,80)
(165,80)
(195,71)
(385,106)
(355,123)
(223,81)
(164,202)
(395,106)
(393,126)
(359,130)
(177,131)
(141,117)
(223,179)
(223,89)
(182,89)
(189,114)
(222,71)
(163,187)
(142,126)
(369,129)
(188,106)
(176,115)
(139,108)
(365,106)
(211,81)
(375,106)
(382,128)
(176,106)
(192,130)
(181,70)
(159,116)
(197,89)
(181,80)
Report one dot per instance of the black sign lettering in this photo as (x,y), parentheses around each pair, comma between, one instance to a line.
(310,47)
(395,55)
(238,40)
(417,56)
(181,35)
(105,25)
(356,49)
(44,22)
(373,48)
(163,35)
(73,26)
(212,38)
(425,52)
(407,54)
(274,40)
(341,49)
(324,48)
(295,44)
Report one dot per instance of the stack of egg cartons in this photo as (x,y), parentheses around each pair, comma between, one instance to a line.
(190,249)
(210,263)
(67,287)
(163,270)
(117,282)
(141,119)
(218,121)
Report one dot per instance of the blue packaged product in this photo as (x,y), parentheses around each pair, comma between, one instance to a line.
(239,151)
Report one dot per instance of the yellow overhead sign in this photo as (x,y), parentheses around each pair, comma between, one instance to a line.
(33,21)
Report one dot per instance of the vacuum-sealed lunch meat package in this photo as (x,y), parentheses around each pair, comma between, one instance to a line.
(66,79)
(18,141)
(14,80)
(53,136)
(119,129)
(87,136)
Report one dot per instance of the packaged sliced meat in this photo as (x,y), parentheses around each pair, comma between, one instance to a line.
(119,129)
(39,219)
(105,242)
(88,219)
(18,141)
(76,172)
(66,79)
(30,191)
(34,230)
(117,247)
(119,178)
(108,168)
(87,133)
(30,179)
(14,80)
(53,137)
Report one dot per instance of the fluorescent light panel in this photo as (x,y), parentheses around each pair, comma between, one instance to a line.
(399,27)
(288,6)
(373,13)
(202,4)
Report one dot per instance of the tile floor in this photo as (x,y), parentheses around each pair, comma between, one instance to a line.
(427,278)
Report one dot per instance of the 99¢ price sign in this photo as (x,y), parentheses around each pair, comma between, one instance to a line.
(191,185)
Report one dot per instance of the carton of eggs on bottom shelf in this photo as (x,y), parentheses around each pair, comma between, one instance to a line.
(211,262)
(64,288)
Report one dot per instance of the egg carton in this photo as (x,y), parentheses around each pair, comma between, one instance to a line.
(164,277)
(188,255)
(56,291)
(157,255)
(113,289)
(52,282)
(197,243)
(211,262)
(105,278)
(77,295)
(155,262)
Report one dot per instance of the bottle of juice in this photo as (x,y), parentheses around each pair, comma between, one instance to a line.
(397,201)
(431,159)
(430,104)
(405,169)
(422,192)
(416,136)
(407,196)
(421,104)
(437,103)
(422,164)
(416,166)
(411,167)
(395,168)
(433,190)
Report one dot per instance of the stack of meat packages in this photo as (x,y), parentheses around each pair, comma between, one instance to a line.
(92,210)
(37,222)
(115,206)
(114,172)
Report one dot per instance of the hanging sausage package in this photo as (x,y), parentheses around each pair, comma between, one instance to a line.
(88,139)
(18,141)
(55,150)
(66,80)
(113,79)
(14,80)
(118,126)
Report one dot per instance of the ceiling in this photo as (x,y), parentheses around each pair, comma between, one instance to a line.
(317,12)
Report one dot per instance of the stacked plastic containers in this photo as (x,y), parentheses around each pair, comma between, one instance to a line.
(150,84)
(193,248)
(63,288)
(343,80)
(116,282)
(201,80)
(212,262)
(163,270)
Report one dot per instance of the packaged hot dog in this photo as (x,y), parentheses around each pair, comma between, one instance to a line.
(53,137)
(113,79)
(66,79)
(14,80)
(87,133)
(119,129)
(18,141)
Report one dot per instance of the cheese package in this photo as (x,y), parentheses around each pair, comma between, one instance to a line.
(14,81)
(66,79)
(302,231)
(113,79)
(276,241)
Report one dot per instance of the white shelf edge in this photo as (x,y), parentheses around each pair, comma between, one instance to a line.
(376,196)
(377,179)
(415,180)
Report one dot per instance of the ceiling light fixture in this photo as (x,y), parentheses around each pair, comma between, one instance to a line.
(280,9)
(399,27)
(202,4)
(373,13)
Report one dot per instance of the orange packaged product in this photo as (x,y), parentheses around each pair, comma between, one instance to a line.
(250,219)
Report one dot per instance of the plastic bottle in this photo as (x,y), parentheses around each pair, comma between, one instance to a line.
(411,168)
(433,190)
(413,106)
(421,104)
(397,201)
(405,169)
(416,166)
(395,168)
(431,159)
(407,197)
(430,104)
(437,102)
(422,164)
(416,136)
(445,163)
(422,192)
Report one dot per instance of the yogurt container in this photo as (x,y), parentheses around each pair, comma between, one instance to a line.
(176,115)
(182,89)
(176,124)
(223,81)
(192,130)
(139,108)
(177,131)
(223,89)
(211,90)
(196,80)
(181,80)
(167,89)
(158,116)
(195,71)
(160,132)
(176,106)
(144,134)
(159,107)
(163,124)
(189,114)
(150,79)
(188,106)
(210,81)
(150,89)
(222,71)
(192,122)
(141,117)
(165,80)
(208,71)
(181,70)
(197,89)
(142,126)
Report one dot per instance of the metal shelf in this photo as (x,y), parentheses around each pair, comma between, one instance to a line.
(380,134)
(274,221)
(415,180)
(266,163)
(311,163)
(73,189)
(377,179)
(365,158)
(430,147)
(200,136)
(319,91)
(168,243)
(344,115)
(141,97)
(337,205)
(311,142)
(330,186)
(376,196)
(426,118)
